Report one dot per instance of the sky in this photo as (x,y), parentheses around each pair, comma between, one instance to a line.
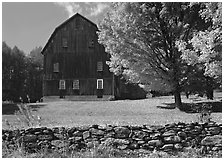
(29,24)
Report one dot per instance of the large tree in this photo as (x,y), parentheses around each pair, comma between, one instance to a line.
(141,39)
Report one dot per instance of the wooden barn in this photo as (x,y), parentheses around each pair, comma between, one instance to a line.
(75,65)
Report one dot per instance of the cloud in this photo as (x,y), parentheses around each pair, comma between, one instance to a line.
(99,8)
(89,9)
(70,7)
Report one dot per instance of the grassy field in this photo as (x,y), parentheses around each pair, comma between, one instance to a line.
(152,111)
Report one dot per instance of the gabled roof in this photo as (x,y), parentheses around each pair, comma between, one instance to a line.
(64,23)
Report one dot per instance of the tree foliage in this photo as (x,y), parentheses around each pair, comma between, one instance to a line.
(141,39)
(21,75)
(205,47)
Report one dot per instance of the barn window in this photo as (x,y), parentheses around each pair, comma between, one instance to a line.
(100,66)
(75,84)
(99,84)
(91,43)
(64,42)
(62,84)
(56,67)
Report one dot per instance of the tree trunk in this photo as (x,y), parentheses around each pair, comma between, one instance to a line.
(177,98)
(209,93)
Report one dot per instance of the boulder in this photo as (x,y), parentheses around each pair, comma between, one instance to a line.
(97,132)
(45,137)
(167,147)
(172,139)
(122,132)
(156,143)
(29,138)
(169,133)
(86,134)
(139,135)
(212,140)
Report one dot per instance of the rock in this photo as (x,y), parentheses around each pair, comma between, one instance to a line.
(122,132)
(45,137)
(95,126)
(110,134)
(121,141)
(172,139)
(122,147)
(96,132)
(214,130)
(168,133)
(178,146)
(78,139)
(134,146)
(58,136)
(77,134)
(71,131)
(60,143)
(167,147)
(92,144)
(141,142)
(83,128)
(86,134)
(172,125)
(155,135)
(195,131)
(139,135)
(212,140)
(29,138)
(155,143)
(147,130)
(181,134)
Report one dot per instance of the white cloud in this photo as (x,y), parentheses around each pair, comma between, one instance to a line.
(99,8)
(70,7)
(85,8)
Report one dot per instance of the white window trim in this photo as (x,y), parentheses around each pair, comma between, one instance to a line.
(62,84)
(75,81)
(97,84)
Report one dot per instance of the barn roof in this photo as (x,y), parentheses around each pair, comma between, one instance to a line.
(64,23)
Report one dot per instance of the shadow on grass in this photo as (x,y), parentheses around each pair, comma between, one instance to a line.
(216,107)
(11,108)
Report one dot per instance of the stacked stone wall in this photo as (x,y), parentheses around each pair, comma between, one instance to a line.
(171,137)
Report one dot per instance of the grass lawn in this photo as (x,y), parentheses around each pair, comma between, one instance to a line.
(123,112)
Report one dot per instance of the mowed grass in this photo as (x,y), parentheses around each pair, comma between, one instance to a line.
(121,112)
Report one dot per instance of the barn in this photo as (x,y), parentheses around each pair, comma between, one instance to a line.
(75,65)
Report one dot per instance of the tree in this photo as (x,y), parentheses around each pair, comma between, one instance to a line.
(141,39)
(21,74)
(205,47)
(36,56)
(35,74)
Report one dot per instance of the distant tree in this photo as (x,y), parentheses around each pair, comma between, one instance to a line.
(21,74)
(36,56)
(34,74)
(141,39)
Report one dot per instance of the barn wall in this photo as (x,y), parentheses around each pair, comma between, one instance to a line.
(77,60)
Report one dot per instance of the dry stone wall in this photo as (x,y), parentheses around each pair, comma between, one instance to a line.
(171,137)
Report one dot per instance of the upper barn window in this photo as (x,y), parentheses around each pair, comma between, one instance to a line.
(56,67)
(100,66)
(64,42)
(91,43)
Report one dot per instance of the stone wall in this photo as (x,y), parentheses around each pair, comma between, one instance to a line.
(176,136)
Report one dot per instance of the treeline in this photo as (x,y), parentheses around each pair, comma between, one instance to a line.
(21,74)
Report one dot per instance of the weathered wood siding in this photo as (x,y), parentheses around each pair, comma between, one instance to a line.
(76,61)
